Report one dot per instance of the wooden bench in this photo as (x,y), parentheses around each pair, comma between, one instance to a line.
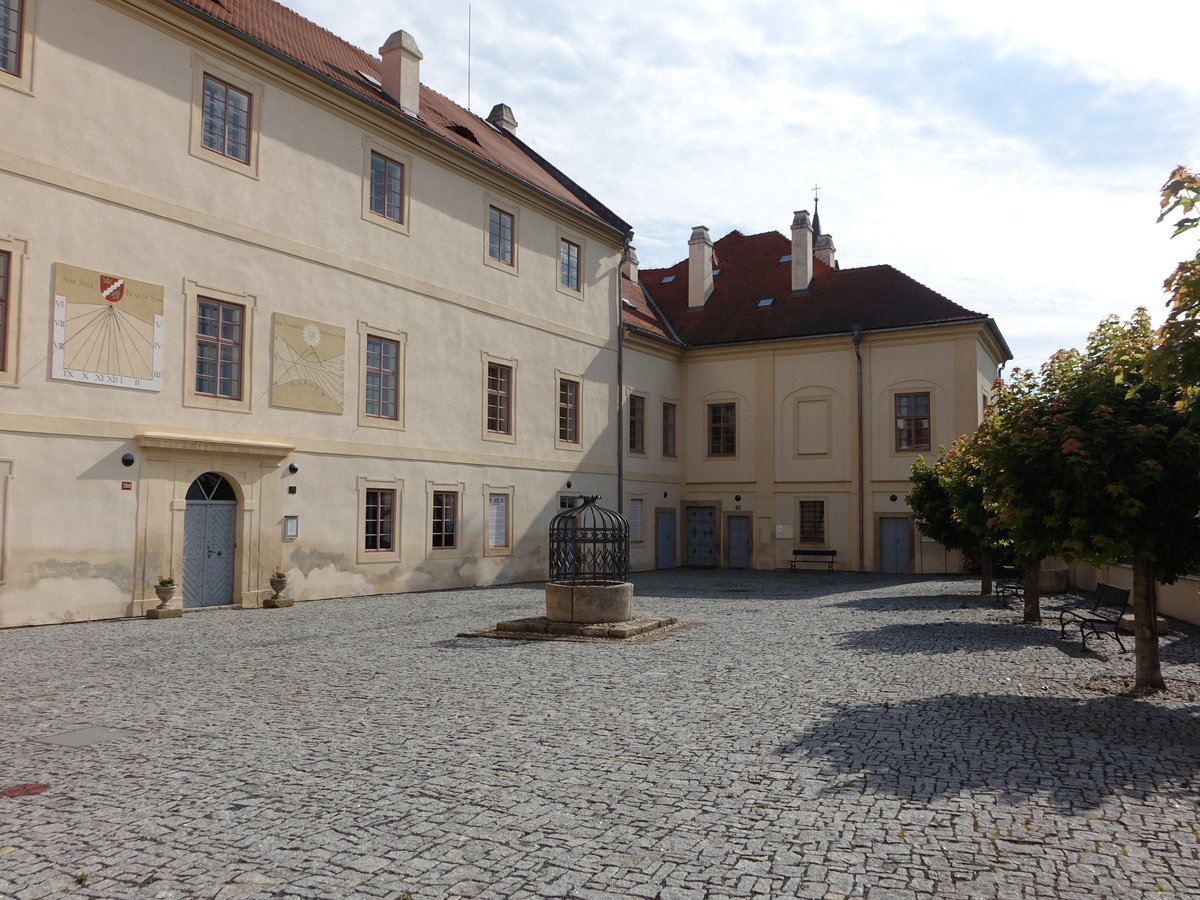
(1099,615)
(817,554)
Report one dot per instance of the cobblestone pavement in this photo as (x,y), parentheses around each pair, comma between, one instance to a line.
(822,736)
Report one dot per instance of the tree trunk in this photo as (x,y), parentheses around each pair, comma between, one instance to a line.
(1148,676)
(985,572)
(1033,593)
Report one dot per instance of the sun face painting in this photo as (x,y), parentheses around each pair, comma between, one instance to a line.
(107,329)
(308,363)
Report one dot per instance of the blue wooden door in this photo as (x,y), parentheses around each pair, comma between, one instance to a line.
(702,536)
(209,542)
(739,542)
(894,547)
(665,531)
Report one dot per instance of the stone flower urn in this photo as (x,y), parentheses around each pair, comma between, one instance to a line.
(279,584)
(165,594)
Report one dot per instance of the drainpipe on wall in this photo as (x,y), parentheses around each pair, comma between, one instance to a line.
(862,488)
(621,385)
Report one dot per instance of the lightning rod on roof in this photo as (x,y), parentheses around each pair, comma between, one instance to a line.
(468,57)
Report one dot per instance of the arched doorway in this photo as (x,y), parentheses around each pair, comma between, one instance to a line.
(209,542)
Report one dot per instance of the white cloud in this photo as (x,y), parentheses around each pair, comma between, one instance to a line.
(989,150)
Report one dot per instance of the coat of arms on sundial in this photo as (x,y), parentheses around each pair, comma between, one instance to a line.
(107,329)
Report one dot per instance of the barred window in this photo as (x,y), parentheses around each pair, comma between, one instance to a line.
(812,522)
(379,520)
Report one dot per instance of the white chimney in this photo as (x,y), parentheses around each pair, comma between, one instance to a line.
(502,118)
(402,71)
(700,276)
(825,251)
(802,251)
(629,264)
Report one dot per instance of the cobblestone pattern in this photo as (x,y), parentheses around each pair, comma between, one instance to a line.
(824,736)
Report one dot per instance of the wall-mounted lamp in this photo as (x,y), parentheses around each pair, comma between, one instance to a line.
(568,485)
(127,460)
(893,498)
(664,493)
(293,468)
(737,498)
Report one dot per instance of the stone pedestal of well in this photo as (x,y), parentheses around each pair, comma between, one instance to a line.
(588,603)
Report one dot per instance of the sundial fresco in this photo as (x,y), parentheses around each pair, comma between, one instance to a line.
(309,360)
(107,329)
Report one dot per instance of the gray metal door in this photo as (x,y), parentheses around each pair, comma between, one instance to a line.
(209,540)
(739,542)
(893,546)
(702,536)
(665,529)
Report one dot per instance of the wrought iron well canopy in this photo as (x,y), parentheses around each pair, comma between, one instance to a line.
(589,544)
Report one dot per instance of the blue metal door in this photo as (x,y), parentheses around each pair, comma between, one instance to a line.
(702,536)
(739,542)
(665,530)
(894,547)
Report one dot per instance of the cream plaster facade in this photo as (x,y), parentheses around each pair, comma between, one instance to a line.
(798,436)
(107,174)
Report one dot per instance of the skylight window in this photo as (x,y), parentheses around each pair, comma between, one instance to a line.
(769,301)
(668,279)
(627,304)
(374,82)
(784,259)
(716,272)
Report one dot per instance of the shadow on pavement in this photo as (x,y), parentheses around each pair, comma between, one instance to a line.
(921,602)
(935,638)
(1076,753)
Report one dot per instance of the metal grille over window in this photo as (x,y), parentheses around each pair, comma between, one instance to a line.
(589,544)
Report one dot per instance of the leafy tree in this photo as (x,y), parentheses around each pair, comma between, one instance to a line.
(1175,362)
(1087,460)
(947,504)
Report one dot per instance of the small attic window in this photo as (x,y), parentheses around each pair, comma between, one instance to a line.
(373,82)
(668,279)
(769,301)
(716,272)
(784,259)
(465,132)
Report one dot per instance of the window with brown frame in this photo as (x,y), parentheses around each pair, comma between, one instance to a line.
(387,187)
(10,36)
(226,119)
(668,429)
(722,429)
(912,421)
(637,424)
(568,410)
(380,376)
(499,398)
(568,265)
(812,522)
(5,257)
(444,525)
(500,235)
(219,348)
(379,521)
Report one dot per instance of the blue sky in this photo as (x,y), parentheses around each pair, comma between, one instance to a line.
(1007,155)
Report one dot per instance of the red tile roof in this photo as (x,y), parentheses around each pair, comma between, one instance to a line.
(641,315)
(873,297)
(289,35)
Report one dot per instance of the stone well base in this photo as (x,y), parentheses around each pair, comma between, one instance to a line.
(612,602)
